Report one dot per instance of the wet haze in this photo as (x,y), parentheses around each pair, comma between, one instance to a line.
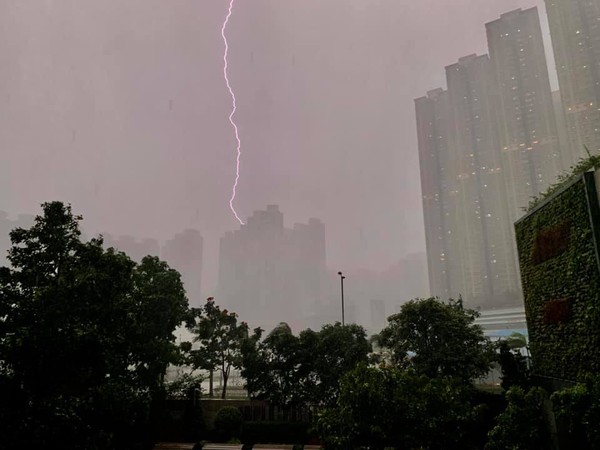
(119,107)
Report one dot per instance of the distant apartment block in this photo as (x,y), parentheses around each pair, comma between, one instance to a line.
(378,316)
(438,186)
(575,31)
(470,251)
(269,273)
(135,248)
(489,272)
(184,253)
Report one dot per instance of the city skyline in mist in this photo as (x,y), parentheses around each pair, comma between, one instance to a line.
(121,110)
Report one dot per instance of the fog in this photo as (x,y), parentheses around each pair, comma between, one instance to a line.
(120,108)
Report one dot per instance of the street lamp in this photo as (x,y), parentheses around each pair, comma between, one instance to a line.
(342,277)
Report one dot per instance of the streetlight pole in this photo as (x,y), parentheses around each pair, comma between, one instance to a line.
(342,277)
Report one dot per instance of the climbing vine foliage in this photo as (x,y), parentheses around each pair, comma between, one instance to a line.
(561,280)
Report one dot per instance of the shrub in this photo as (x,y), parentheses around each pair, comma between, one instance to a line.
(229,422)
(402,409)
(577,411)
(514,367)
(522,425)
(275,433)
(486,407)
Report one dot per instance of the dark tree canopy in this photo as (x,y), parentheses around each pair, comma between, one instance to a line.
(339,349)
(85,337)
(438,339)
(293,370)
(276,368)
(513,366)
(387,407)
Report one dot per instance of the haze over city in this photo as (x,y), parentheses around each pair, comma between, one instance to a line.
(307,224)
(120,108)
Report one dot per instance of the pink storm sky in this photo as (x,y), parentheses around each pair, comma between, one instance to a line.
(120,108)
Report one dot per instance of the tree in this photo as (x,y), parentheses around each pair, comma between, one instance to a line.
(187,385)
(276,368)
(437,338)
(82,347)
(513,365)
(516,341)
(160,306)
(295,370)
(220,339)
(523,425)
(339,349)
(388,407)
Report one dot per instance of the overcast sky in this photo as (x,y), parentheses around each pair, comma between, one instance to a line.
(120,107)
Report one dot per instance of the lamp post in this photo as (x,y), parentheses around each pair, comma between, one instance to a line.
(342,277)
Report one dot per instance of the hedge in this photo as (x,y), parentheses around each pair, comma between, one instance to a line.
(275,433)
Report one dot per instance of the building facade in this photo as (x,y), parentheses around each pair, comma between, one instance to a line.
(269,273)
(527,130)
(575,31)
(135,248)
(468,235)
(438,189)
(485,250)
(184,253)
(487,145)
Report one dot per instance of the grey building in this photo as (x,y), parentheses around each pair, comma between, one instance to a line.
(486,253)
(184,253)
(531,157)
(575,31)
(486,146)
(133,247)
(269,273)
(439,191)
(470,251)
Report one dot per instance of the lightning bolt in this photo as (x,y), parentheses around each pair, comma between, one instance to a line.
(233,111)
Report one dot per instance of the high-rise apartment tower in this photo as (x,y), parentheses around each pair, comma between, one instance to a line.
(575,31)
(528,136)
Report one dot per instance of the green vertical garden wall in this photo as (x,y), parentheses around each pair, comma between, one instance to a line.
(558,256)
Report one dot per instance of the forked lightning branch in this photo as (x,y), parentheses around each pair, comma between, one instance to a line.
(233,111)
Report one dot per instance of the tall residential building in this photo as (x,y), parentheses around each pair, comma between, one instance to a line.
(468,234)
(561,127)
(487,145)
(575,31)
(531,157)
(439,191)
(470,251)
(184,254)
(269,273)
(486,253)
(377,316)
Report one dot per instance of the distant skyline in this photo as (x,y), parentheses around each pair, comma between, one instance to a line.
(120,108)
